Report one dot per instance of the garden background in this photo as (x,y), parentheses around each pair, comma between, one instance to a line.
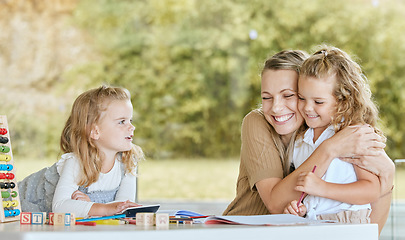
(192,68)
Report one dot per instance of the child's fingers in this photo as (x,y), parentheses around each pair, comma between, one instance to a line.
(291,209)
(77,195)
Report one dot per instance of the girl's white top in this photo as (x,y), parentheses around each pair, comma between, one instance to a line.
(338,172)
(68,168)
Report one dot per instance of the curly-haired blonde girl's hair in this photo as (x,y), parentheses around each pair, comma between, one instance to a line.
(86,112)
(352,91)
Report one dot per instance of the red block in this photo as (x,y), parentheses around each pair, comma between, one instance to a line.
(25,218)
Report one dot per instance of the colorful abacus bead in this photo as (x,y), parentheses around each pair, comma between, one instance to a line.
(4,149)
(5,194)
(11,185)
(4,157)
(14,194)
(10,175)
(14,203)
(6,204)
(3,140)
(7,185)
(3,131)
(6,167)
(16,212)
(7,213)
(12,213)
(2,176)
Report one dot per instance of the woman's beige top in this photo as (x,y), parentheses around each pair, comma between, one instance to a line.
(259,159)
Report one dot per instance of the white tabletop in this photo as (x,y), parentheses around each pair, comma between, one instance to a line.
(15,231)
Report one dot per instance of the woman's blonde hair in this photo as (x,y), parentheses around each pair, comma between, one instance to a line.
(86,111)
(285,60)
(352,91)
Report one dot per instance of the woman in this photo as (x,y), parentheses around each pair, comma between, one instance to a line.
(265,184)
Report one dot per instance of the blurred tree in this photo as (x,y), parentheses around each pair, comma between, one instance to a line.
(192,66)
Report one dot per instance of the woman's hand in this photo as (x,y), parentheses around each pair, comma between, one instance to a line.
(78,195)
(381,165)
(358,140)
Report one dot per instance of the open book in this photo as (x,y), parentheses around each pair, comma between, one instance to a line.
(181,213)
(131,212)
(261,220)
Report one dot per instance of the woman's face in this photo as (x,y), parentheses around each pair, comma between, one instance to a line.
(280,101)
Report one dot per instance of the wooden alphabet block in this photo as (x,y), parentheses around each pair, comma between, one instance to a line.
(72,219)
(59,219)
(51,218)
(25,218)
(68,219)
(140,219)
(38,218)
(149,219)
(145,219)
(162,219)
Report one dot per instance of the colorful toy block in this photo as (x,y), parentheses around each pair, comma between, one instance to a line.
(50,222)
(59,219)
(161,219)
(25,218)
(38,218)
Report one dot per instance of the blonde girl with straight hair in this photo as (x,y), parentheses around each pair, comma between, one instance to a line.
(96,173)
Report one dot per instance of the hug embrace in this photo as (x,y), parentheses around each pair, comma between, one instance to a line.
(318,111)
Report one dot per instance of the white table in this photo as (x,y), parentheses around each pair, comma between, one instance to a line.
(15,231)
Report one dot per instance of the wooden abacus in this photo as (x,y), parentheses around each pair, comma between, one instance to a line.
(11,208)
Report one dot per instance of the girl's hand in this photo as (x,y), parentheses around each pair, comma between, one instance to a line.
(121,206)
(107,209)
(294,210)
(78,195)
(309,183)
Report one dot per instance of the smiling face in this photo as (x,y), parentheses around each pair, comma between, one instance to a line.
(279,101)
(317,103)
(114,131)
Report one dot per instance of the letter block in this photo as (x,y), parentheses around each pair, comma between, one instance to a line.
(59,219)
(25,218)
(38,218)
(51,218)
(70,219)
(162,219)
(145,219)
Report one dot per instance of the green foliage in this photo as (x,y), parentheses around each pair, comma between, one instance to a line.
(194,72)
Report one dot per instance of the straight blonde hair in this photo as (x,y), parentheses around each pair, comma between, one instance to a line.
(285,60)
(75,137)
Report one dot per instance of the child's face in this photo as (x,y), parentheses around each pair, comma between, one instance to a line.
(317,103)
(114,131)
(279,101)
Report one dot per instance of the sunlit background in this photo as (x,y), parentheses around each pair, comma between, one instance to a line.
(192,68)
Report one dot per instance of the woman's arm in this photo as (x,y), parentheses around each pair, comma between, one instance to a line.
(384,168)
(350,141)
